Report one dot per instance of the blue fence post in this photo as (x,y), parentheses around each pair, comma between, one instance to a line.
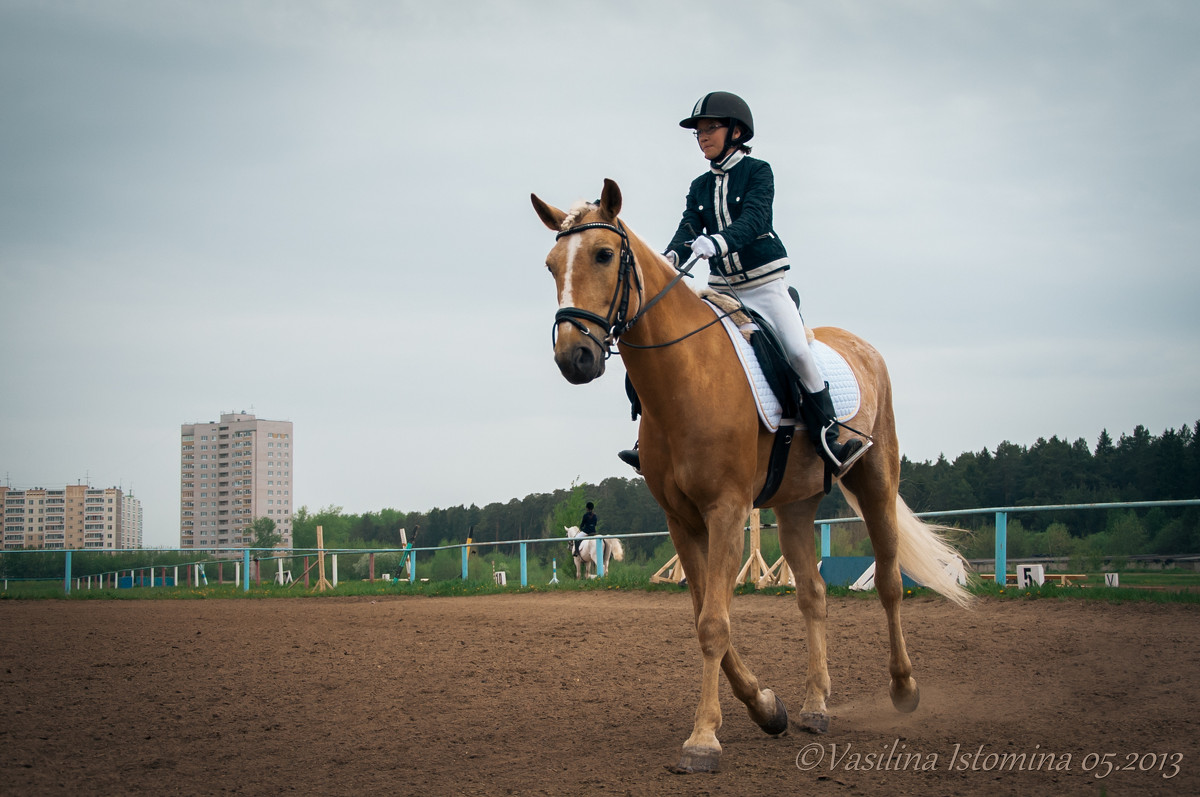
(67,573)
(599,556)
(245,570)
(1001,548)
(825,541)
(465,551)
(524,571)
(412,565)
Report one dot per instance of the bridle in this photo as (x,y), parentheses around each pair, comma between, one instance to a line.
(615,322)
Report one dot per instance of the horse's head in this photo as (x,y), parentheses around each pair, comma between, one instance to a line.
(593,268)
(572,531)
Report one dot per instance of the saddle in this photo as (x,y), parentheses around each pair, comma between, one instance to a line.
(843,384)
(778,374)
(777,392)
(775,386)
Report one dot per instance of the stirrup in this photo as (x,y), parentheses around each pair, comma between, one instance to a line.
(841,466)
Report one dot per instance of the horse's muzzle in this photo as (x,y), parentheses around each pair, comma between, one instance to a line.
(580,363)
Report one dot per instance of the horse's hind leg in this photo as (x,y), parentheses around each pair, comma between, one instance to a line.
(876,496)
(796,541)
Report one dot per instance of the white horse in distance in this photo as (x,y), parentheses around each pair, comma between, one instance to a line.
(586,558)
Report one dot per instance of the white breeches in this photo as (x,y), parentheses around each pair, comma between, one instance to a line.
(771,300)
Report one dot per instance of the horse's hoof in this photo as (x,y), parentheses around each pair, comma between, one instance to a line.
(906,700)
(777,725)
(697,761)
(813,722)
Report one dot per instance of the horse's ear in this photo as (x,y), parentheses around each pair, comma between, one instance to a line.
(551,216)
(610,199)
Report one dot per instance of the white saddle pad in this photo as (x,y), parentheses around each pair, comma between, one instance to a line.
(843,386)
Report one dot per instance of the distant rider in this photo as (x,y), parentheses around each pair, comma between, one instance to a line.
(587,525)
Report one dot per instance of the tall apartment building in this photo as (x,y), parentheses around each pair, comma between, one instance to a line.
(131,522)
(72,517)
(233,472)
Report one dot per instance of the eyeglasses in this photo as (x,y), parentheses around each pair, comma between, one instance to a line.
(707,131)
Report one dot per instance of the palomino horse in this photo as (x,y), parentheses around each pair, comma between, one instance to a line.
(704,455)
(586,559)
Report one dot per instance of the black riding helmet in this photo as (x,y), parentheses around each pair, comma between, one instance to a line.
(723,105)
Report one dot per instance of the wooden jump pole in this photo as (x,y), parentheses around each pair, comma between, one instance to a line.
(670,573)
(307,569)
(322,582)
(779,574)
(755,571)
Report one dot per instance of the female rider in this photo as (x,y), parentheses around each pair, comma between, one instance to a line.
(728,221)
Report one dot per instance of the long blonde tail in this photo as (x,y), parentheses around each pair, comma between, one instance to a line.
(924,553)
(618,551)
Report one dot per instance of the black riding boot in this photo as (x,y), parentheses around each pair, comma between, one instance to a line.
(821,420)
(631,457)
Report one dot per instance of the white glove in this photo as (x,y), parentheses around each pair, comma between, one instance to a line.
(672,258)
(704,246)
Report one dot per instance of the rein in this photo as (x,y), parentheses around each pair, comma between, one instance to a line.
(616,325)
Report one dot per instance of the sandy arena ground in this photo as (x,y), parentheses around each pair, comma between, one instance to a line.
(584,693)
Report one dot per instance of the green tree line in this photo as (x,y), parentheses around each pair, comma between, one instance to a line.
(1135,467)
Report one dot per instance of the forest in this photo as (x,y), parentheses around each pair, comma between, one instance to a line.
(1136,467)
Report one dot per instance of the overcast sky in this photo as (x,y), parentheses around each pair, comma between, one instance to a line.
(319,212)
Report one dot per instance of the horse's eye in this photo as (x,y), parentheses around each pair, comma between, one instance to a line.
(604,256)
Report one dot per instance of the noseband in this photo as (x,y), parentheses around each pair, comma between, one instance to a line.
(615,321)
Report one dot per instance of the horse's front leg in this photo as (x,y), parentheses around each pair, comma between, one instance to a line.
(712,570)
(767,710)
(578,560)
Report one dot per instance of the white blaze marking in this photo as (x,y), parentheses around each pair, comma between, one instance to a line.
(573,245)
